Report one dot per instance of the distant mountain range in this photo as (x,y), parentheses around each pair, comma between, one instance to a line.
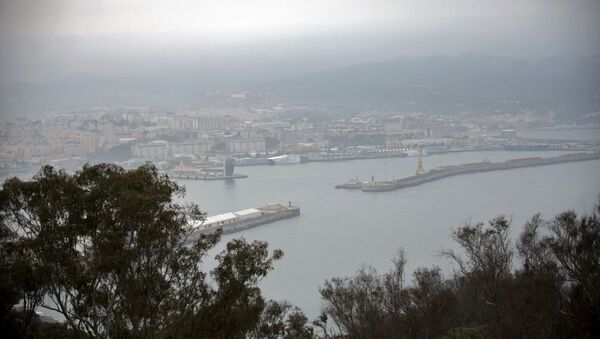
(470,83)
(84,91)
(437,84)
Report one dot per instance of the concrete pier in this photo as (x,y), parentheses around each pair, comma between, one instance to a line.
(484,166)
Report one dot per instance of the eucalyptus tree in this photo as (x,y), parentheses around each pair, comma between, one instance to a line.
(111,251)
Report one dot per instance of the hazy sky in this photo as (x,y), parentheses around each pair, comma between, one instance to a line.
(41,40)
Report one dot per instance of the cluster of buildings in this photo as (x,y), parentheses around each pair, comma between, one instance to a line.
(133,136)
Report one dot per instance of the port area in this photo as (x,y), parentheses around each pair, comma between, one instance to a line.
(448,171)
(372,154)
(205,177)
(231,222)
(186,171)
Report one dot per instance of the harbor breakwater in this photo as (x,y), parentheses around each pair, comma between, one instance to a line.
(448,171)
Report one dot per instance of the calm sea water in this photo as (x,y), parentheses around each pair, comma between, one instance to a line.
(340,230)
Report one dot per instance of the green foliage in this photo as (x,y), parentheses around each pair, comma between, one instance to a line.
(555,294)
(566,252)
(297,326)
(117,257)
(111,251)
(281,320)
(272,322)
(464,333)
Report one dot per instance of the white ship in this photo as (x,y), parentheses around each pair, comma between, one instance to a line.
(286,159)
(414,153)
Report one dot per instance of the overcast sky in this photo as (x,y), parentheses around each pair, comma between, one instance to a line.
(41,40)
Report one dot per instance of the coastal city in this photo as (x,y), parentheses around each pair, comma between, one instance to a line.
(211,144)
(292,169)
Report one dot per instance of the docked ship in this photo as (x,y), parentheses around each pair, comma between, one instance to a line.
(286,159)
(353,184)
(415,152)
(379,186)
(372,186)
(250,161)
(237,221)
(186,172)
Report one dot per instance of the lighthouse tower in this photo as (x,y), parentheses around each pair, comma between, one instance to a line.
(420,168)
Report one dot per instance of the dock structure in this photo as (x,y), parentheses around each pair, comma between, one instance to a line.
(205,177)
(187,172)
(231,222)
(448,171)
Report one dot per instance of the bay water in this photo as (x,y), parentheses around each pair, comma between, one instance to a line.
(340,230)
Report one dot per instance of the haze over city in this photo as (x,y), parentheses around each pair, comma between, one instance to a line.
(300,169)
(53,39)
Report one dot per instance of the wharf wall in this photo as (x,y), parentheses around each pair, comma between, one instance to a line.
(268,216)
(476,168)
(207,177)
